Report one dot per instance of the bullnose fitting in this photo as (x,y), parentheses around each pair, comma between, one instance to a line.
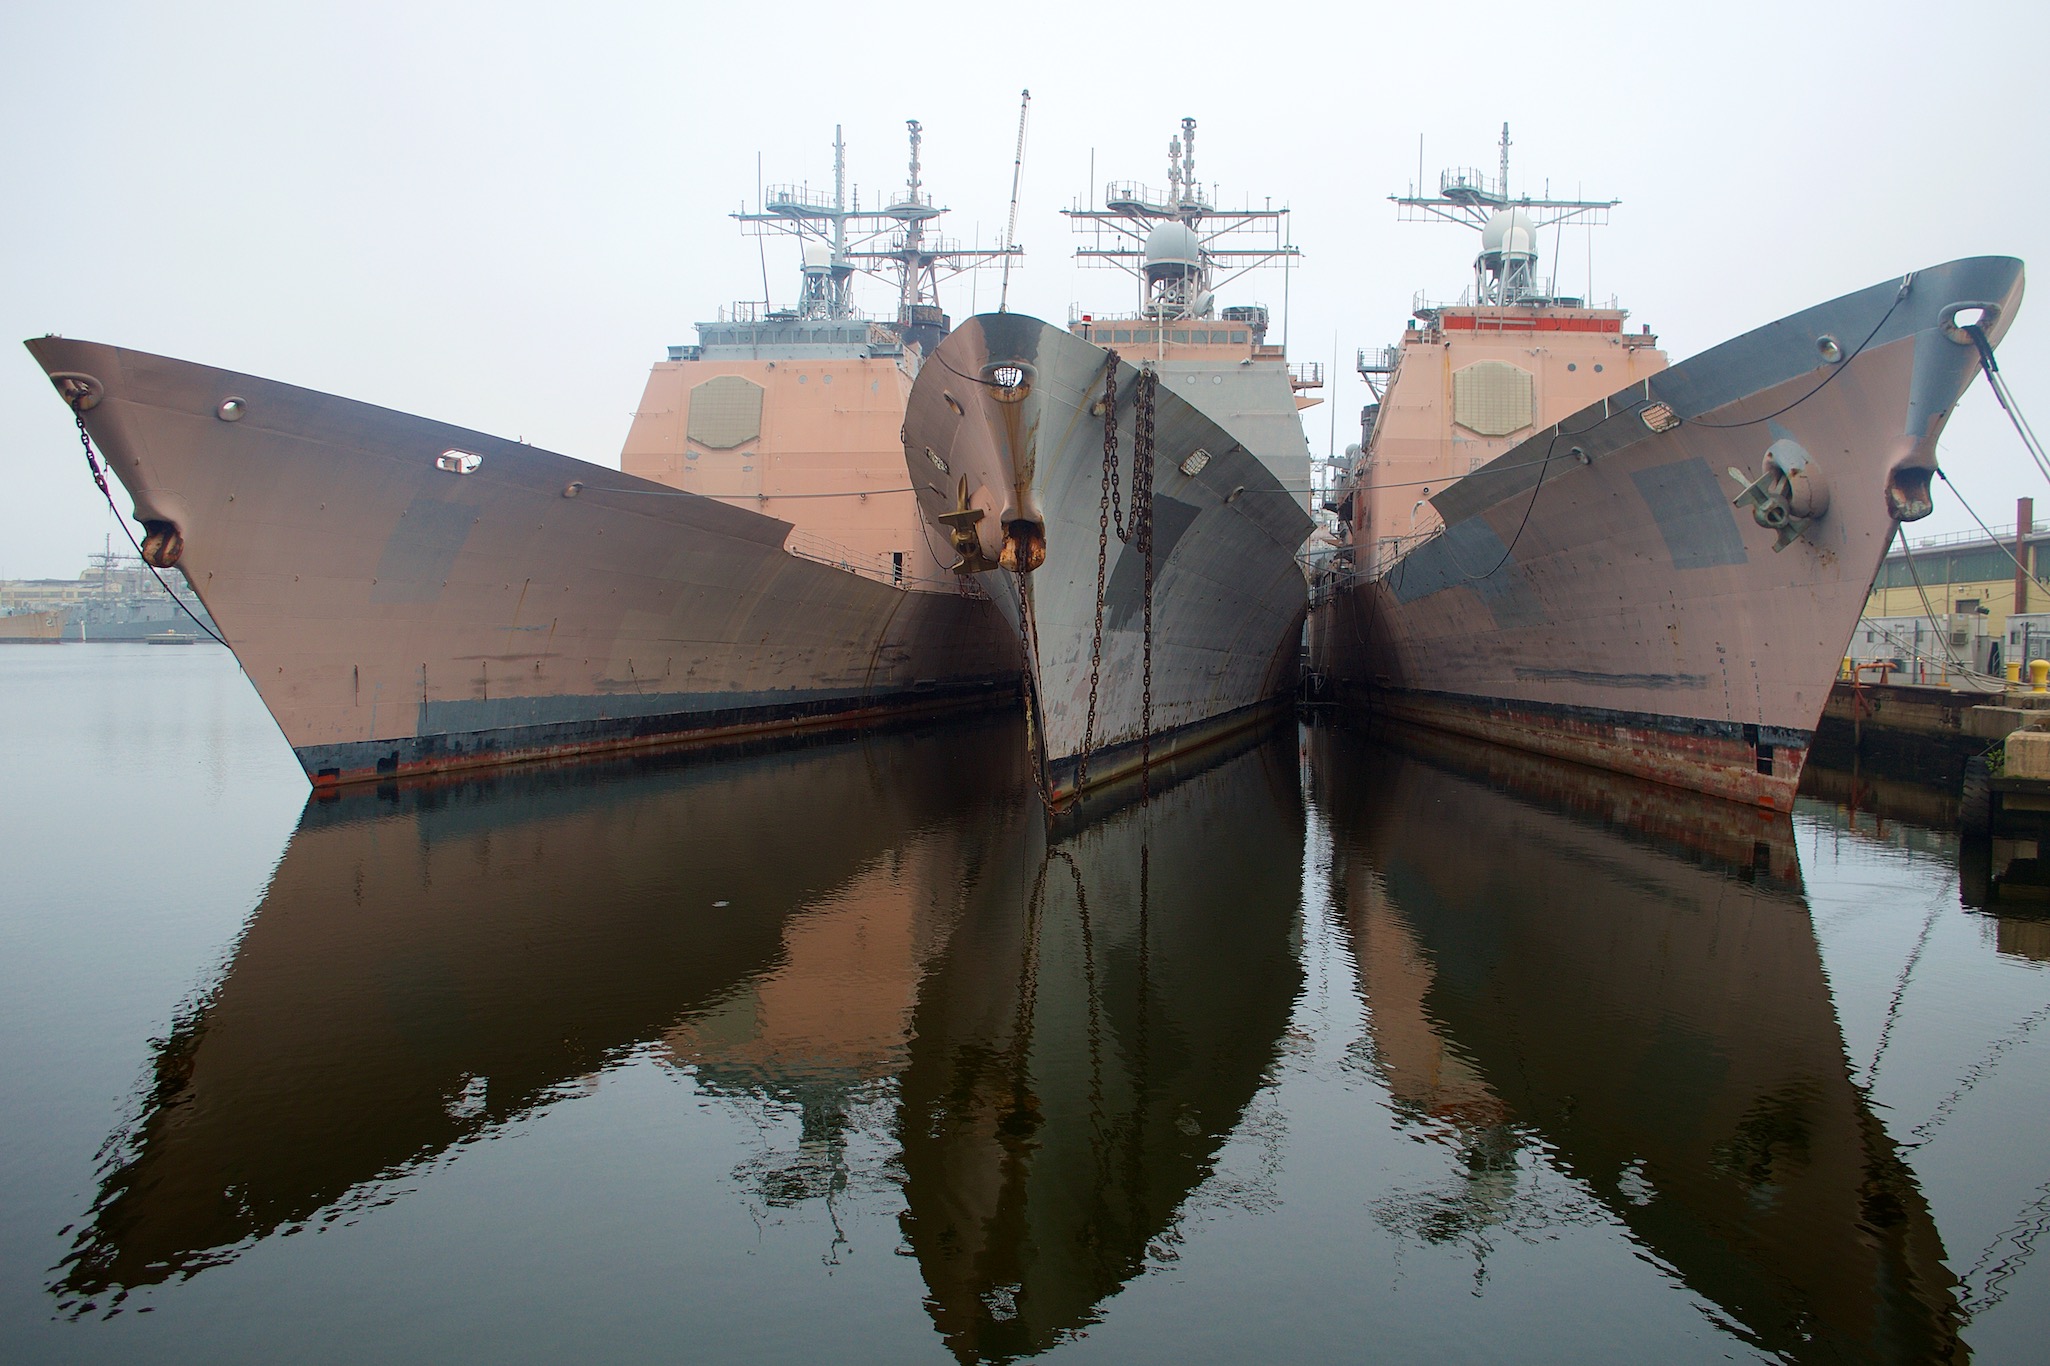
(1907,493)
(1024,546)
(81,392)
(1009,381)
(163,544)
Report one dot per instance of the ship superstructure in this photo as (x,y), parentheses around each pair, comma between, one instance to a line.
(1180,249)
(1131,491)
(1512,353)
(797,411)
(1552,540)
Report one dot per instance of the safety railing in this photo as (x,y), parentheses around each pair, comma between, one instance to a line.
(882,568)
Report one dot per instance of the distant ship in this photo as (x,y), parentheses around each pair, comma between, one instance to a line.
(1130,491)
(409,596)
(1551,540)
(31,628)
(117,598)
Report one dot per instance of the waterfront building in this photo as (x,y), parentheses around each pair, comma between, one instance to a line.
(1960,603)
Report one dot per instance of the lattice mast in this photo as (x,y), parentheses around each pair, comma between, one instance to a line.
(891,244)
(1505,272)
(1181,247)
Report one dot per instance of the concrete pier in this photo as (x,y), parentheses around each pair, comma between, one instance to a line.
(1922,732)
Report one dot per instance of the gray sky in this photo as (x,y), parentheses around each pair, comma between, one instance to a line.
(499,215)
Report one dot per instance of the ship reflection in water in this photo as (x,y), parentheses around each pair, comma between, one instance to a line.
(1073,1031)
(1628,988)
(1614,982)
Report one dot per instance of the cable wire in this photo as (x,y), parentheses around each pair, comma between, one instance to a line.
(92,461)
(1835,370)
(1989,532)
(1991,367)
(1942,635)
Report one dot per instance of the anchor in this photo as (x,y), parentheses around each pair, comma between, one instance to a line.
(1789,493)
(960,525)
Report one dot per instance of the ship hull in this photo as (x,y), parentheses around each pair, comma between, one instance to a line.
(32,628)
(397,616)
(1596,595)
(1227,595)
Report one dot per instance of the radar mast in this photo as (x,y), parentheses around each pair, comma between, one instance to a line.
(890,244)
(1181,247)
(1505,272)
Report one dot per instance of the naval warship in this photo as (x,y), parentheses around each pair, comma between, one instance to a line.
(1130,491)
(409,596)
(1552,540)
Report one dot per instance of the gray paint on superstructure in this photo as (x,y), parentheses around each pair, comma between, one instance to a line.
(422,549)
(1692,514)
(1255,404)
(791,339)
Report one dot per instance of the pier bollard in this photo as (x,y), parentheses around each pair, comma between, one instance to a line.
(2014,671)
(2039,675)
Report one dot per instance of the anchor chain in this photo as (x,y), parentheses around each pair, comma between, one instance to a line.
(1103,519)
(1142,523)
(92,462)
(1110,455)
(1137,531)
(1027,633)
(92,459)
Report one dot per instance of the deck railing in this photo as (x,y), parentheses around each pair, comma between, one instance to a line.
(880,567)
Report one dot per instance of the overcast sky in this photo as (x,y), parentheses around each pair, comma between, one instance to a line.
(499,215)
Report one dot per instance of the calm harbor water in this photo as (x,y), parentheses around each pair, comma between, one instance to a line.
(1343,1046)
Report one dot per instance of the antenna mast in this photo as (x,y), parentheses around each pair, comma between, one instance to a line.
(1505,272)
(1177,243)
(1017,175)
(890,243)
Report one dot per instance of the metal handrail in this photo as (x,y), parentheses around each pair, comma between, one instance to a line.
(796,196)
(2002,535)
(1381,360)
(807,546)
